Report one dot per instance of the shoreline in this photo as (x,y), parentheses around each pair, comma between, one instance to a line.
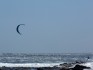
(76,67)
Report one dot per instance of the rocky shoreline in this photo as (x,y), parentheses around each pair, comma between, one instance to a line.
(65,66)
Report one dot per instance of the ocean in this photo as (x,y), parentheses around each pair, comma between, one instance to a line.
(44,60)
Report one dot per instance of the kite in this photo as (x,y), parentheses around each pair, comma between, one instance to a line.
(17,28)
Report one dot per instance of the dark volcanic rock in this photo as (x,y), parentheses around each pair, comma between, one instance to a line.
(77,67)
(15,68)
(48,68)
(80,67)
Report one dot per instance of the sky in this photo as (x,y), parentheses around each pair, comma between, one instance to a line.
(51,26)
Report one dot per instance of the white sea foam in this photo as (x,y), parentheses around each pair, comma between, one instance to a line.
(28,64)
(88,64)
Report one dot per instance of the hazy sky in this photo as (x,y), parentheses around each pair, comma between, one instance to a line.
(51,26)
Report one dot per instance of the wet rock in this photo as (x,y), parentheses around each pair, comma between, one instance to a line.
(48,68)
(80,67)
(77,67)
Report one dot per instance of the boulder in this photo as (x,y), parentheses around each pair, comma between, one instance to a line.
(80,67)
(77,67)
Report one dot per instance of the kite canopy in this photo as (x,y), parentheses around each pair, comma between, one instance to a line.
(17,28)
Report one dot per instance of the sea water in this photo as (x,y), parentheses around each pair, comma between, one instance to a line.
(44,60)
